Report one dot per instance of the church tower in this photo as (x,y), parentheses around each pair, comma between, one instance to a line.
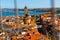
(26,10)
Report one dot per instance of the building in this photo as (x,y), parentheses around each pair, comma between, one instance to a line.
(26,10)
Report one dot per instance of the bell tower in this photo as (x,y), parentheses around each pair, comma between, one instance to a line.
(26,10)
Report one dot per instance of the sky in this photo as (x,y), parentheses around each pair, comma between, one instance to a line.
(29,3)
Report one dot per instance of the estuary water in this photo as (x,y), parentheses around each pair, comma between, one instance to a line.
(20,13)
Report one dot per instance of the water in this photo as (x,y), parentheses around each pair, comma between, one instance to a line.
(20,13)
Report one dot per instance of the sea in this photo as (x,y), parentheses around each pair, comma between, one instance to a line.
(20,13)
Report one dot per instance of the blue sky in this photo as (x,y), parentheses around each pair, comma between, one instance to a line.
(29,3)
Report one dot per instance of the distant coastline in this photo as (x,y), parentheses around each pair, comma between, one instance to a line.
(34,9)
